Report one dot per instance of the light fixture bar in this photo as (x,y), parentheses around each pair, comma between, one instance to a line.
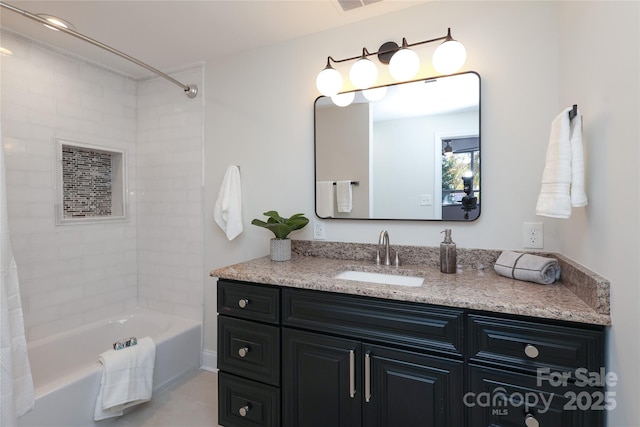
(190,90)
(366,53)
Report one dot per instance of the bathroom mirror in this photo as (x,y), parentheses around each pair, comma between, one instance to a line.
(414,154)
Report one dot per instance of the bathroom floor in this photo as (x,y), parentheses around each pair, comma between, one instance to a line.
(190,402)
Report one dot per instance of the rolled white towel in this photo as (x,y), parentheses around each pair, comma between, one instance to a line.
(528,267)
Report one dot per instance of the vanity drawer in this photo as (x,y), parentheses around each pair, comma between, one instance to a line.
(411,325)
(249,301)
(528,345)
(245,403)
(249,349)
(503,399)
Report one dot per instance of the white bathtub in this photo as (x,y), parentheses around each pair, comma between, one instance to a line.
(66,371)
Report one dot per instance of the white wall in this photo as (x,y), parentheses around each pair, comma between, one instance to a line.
(69,275)
(605,83)
(169,142)
(260,115)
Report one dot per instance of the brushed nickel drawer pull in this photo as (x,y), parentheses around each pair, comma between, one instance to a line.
(243,351)
(243,303)
(244,411)
(531,351)
(352,373)
(367,377)
(530,421)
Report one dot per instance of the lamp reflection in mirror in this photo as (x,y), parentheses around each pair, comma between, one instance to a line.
(469,201)
(343,99)
(375,94)
(403,62)
(448,150)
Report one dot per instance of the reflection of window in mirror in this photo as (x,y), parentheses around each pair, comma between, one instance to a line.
(460,157)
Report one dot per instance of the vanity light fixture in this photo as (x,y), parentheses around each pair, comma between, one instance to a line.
(403,62)
(5,52)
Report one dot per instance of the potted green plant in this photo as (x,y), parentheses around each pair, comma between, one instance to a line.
(281,227)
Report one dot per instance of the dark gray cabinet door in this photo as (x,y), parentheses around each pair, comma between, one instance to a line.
(321,380)
(410,389)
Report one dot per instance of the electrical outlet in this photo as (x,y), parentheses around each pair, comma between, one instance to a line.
(318,230)
(425,200)
(532,235)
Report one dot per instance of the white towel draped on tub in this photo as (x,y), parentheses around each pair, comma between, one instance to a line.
(16,383)
(563,176)
(227,211)
(344,196)
(325,197)
(127,378)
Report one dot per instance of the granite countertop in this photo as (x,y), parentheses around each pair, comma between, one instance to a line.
(475,286)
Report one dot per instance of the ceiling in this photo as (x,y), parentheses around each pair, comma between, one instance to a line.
(168,35)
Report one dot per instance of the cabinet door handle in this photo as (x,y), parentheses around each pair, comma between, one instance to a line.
(530,421)
(243,351)
(367,376)
(531,351)
(243,303)
(352,373)
(244,411)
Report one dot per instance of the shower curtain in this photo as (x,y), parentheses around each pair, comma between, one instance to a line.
(16,384)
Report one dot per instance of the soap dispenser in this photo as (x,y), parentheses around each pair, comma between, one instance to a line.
(448,257)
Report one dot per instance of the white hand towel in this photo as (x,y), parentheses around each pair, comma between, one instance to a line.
(127,378)
(227,211)
(578,195)
(324,199)
(344,196)
(563,175)
(529,267)
(554,199)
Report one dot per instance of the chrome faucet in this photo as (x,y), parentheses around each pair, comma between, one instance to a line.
(384,240)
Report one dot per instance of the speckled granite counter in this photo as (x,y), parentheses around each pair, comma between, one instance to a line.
(582,296)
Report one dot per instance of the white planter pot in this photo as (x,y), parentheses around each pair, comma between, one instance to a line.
(280,249)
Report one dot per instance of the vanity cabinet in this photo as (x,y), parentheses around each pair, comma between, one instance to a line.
(335,378)
(248,354)
(296,357)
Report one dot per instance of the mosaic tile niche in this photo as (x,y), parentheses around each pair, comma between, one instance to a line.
(91,184)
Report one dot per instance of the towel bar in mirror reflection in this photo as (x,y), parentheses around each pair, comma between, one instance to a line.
(415,153)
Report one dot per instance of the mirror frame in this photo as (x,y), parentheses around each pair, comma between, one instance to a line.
(462,219)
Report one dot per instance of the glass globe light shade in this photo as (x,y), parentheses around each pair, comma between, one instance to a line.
(363,73)
(343,99)
(404,64)
(375,94)
(329,81)
(449,57)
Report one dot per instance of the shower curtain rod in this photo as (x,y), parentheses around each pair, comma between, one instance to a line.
(190,90)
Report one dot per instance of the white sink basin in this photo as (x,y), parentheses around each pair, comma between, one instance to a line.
(388,279)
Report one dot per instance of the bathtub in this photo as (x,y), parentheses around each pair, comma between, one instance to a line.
(66,372)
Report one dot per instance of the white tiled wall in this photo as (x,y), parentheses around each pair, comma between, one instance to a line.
(170,196)
(69,275)
(73,274)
